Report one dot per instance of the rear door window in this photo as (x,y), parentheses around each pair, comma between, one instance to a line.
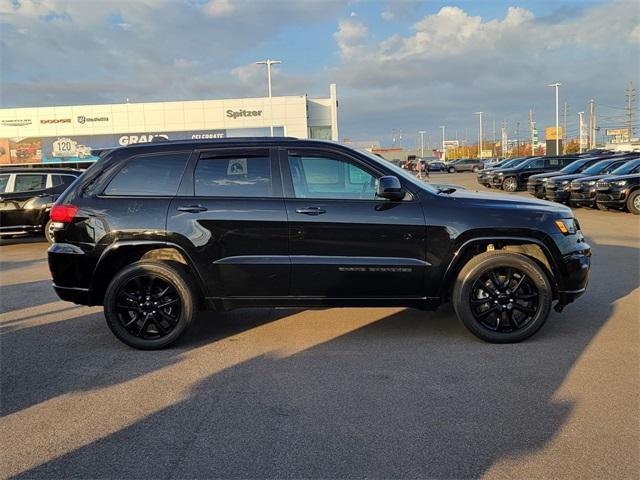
(4,181)
(156,175)
(29,182)
(246,174)
(537,163)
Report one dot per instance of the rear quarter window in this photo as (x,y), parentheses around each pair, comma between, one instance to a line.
(149,175)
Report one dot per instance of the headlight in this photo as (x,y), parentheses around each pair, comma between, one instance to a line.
(591,183)
(500,173)
(564,182)
(567,226)
(545,180)
(619,183)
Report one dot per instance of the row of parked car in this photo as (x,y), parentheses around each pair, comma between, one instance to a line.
(602,179)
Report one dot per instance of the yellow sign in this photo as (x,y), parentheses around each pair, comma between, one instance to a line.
(550,133)
(614,132)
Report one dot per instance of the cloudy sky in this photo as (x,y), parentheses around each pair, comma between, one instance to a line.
(399,64)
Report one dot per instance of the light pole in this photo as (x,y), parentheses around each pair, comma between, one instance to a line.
(582,132)
(422,132)
(480,136)
(268,63)
(444,150)
(557,85)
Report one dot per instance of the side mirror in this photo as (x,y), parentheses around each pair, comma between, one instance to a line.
(389,187)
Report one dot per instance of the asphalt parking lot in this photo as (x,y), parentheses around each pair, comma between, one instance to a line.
(379,392)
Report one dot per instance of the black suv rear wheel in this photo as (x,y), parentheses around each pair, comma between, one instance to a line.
(149,305)
(502,297)
(510,184)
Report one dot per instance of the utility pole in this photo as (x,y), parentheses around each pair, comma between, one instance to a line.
(268,63)
(480,136)
(564,130)
(592,124)
(444,150)
(493,148)
(422,132)
(630,99)
(532,126)
(557,87)
(583,132)
(505,139)
(517,139)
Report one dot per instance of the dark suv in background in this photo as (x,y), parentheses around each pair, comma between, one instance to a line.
(515,178)
(619,192)
(154,232)
(26,196)
(537,183)
(583,189)
(485,177)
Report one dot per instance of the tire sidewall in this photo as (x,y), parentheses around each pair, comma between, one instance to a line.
(630,200)
(47,233)
(507,181)
(463,289)
(166,272)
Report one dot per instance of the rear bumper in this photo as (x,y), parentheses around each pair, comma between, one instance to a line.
(71,272)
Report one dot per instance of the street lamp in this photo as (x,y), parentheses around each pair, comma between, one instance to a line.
(556,85)
(444,150)
(422,132)
(480,137)
(268,63)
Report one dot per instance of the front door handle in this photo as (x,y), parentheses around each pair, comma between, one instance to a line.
(311,210)
(192,208)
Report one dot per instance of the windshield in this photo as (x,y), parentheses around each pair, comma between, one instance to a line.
(576,167)
(398,172)
(597,167)
(513,162)
(627,167)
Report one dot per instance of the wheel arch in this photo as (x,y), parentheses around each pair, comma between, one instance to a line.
(532,247)
(120,254)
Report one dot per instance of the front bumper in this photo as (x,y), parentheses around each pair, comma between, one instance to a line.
(536,189)
(583,197)
(576,268)
(612,198)
(558,194)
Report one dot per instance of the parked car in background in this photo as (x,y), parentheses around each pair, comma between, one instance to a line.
(558,189)
(485,176)
(515,178)
(536,183)
(583,190)
(26,196)
(465,165)
(243,222)
(619,193)
(436,166)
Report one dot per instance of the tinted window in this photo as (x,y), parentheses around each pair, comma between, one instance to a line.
(553,162)
(597,167)
(322,177)
(4,179)
(29,182)
(627,167)
(234,176)
(537,163)
(65,180)
(152,175)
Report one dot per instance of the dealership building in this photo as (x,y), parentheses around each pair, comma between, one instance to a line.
(72,134)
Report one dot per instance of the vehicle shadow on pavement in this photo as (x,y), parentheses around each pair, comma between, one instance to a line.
(407,395)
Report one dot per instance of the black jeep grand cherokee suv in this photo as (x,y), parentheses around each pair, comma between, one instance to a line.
(153,232)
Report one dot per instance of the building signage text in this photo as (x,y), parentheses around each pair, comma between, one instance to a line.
(243,113)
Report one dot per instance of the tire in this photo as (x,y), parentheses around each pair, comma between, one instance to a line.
(451,170)
(510,184)
(169,323)
(48,231)
(633,202)
(475,169)
(479,316)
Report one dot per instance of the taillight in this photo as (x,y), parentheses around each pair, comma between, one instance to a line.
(63,213)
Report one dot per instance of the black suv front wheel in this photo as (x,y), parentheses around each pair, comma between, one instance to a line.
(510,184)
(502,297)
(149,305)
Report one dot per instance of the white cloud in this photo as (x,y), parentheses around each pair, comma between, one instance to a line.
(350,37)
(219,8)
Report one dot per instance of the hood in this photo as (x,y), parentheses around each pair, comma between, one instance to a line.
(622,177)
(541,176)
(591,178)
(510,202)
(562,178)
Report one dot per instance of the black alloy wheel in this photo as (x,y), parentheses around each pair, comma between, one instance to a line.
(502,296)
(148,307)
(504,299)
(149,304)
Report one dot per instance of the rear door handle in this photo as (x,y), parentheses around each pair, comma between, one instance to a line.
(192,208)
(311,210)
